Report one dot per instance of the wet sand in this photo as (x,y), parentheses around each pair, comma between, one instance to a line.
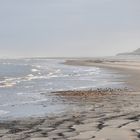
(114,114)
(129,68)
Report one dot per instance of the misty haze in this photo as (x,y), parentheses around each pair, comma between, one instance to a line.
(69,70)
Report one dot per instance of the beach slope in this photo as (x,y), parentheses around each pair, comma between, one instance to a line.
(113,114)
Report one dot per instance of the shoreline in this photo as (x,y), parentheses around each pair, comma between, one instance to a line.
(111,115)
(129,68)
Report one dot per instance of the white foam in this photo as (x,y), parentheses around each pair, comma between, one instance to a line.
(54,76)
(38,66)
(50,74)
(10,82)
(34,70)
(32,77)
(20,93)
(3,112)
(58,71)
(7,84)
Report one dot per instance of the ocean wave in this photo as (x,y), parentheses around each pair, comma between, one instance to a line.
(3,112)
(37,66)
(58,71)
(7,85)
(34,70)
(9,82)
(92,69)
(33,77)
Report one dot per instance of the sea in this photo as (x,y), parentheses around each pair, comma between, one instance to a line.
(26,85)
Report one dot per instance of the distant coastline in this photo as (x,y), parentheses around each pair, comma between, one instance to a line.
(135,52)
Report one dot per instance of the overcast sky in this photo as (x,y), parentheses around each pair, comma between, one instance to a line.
(68,27)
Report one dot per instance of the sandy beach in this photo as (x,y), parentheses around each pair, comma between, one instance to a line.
(114,114)
(70,70)
(130,68)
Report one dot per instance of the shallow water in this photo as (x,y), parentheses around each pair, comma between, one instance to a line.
(25,85)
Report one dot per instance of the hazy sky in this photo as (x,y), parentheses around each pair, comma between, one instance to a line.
(68,27)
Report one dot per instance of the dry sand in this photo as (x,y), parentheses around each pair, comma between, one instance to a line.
(114,115)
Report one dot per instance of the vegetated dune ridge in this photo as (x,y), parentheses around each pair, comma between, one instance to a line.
(136,52)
